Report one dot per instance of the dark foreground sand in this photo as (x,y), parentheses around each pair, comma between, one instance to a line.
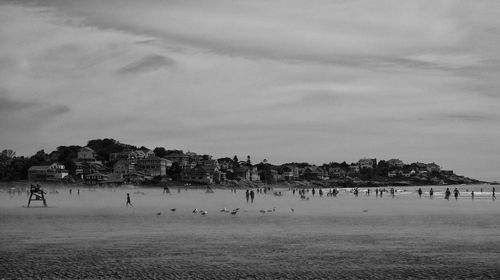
(94,236)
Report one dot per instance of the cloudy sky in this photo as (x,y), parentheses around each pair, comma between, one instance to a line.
(284,80)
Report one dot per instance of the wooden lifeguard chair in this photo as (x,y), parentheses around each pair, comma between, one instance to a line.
(36,193)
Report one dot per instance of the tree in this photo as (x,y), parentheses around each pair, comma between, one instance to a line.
(160,151)
(8,153)
(236,162)
(106,146)
(249,163)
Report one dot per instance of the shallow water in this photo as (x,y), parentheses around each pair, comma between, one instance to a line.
(94,235)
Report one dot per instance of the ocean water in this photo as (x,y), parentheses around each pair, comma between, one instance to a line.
(94,235)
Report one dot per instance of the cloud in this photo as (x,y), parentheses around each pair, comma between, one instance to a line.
(347,79)
(147,64)
(10,105)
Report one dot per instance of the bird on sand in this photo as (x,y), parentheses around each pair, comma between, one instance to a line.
(366,210)
(235,211)
(291,209)
(203,212)
(173,209)
(224,210)
(159,213)
(195,211)
(262,211)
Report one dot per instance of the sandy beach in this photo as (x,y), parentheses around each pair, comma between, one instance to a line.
(95,236)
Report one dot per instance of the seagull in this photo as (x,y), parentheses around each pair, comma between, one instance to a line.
(203,212)
(173,209)
(235,211)
(262,211)
(159,213)
(291,209)
(224,210)
(195,211)
(366,210)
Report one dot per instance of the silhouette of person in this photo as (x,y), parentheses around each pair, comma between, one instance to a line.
(313,191)
(247,195)
(472,195)
(431,193)
(447,194)
(419,192)
(493,194)
(252,195)
(128,201)
(455,192)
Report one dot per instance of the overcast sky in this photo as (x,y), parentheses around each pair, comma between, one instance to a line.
(314,81)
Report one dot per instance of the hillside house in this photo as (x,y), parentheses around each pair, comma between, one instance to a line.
(51,172)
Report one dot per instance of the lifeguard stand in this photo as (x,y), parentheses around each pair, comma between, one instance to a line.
(36,193)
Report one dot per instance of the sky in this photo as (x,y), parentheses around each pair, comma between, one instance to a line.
(283,80)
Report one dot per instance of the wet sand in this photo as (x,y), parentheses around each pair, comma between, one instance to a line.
(95,236)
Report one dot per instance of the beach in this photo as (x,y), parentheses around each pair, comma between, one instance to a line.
(94,235)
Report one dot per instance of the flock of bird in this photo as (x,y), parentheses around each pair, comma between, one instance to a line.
(225,210)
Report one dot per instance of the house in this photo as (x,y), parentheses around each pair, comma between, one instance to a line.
(312,173)
(394,173)
(269,175)
(178,157)
(86,154)
(153,166)
(354,168)
(210,165)
(123,168)
(247,173)
(95,178)
(197,175)
(367,163)
(433,167)
(131,156)
(88,167)
(290,173)
(51,172)
(409,173)
(337,172)
(395,163)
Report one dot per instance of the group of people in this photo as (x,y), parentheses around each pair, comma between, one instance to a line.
(250,194)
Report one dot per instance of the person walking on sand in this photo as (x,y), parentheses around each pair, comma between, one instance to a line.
(447,194)
(252,195)
(247,195)
(493,194)
(472,195)
(128,201)
(419,193)
(455,192)
(431,193)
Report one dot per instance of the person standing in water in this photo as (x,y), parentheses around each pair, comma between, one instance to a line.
(247,195)
(128,201)
(455,192)
(431,193)
(252,195)
(419,193)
